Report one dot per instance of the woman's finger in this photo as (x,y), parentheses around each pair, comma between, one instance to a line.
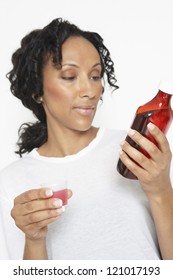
(133,165)
(33,194)
(38,217)
(38,205)
(160,138)
(145,146)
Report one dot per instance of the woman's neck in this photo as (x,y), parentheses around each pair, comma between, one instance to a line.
(66,142)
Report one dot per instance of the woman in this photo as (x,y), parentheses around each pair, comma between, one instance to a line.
(58,73)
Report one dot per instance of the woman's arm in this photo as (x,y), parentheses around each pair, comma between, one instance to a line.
(35,249)
(162,212)
(154,176)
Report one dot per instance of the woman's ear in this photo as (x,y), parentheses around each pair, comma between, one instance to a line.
(37,99)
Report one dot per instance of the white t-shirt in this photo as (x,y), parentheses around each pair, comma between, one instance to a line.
(108,216)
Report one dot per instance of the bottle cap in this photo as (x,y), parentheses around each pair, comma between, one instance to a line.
(166,87)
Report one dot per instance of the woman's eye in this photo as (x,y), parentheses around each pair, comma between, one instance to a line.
(96,78)
(70,78)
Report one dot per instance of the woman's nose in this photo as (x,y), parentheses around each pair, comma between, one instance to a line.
(87,94)
(87,90)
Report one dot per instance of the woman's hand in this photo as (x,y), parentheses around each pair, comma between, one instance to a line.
(34,209)
(154,176)
(154,172)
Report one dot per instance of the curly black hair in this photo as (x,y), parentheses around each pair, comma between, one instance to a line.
(26,75)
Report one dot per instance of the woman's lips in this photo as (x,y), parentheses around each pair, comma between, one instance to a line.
(86,111)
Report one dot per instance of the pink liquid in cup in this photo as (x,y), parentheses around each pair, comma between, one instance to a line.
(61,194)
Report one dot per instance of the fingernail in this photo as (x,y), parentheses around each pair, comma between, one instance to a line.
(120,152)
(49,193)
(60,210)
(151,126)
(57,202)
(131,132)
(122,143)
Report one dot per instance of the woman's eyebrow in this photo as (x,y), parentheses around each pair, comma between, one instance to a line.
(70,64)
(97,64)
(76,66)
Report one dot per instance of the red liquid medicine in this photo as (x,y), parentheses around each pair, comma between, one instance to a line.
(61,194)
(157,111)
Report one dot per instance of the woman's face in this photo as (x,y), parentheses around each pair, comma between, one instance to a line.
(72,92)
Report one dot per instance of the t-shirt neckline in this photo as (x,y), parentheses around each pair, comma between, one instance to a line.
(34,153)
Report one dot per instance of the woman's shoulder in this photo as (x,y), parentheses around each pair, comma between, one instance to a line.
(16,165)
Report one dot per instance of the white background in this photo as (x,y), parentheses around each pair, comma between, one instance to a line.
(138,33)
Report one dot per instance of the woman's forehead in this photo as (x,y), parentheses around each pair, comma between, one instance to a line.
(77,48)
